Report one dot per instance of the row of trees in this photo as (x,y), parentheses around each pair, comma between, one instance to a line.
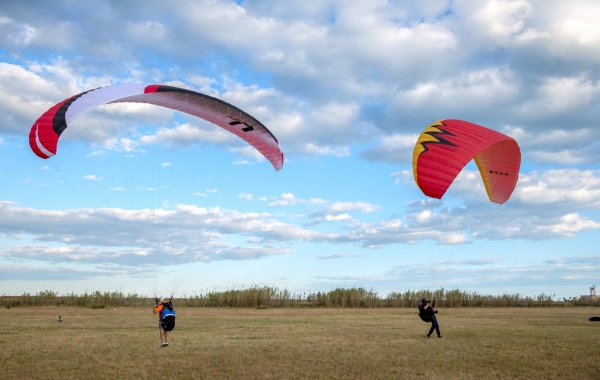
(262,297)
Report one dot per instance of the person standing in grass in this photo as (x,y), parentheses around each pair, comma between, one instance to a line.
(427,313)
(166,319)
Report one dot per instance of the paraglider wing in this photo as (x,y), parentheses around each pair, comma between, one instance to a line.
(45,132)
(445,147)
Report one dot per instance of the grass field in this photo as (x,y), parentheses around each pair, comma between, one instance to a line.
(217,343)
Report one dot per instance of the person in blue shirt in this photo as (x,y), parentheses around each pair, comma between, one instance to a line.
(166,319)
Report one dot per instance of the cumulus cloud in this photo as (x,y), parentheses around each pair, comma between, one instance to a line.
(363,207)
(502,20)
(573,195)
(567,189)
(284,199)
(545,205)
(186,134)
(336,78)
(129,236)
(393,148)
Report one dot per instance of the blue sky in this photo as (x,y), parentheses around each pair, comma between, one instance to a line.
(140,199)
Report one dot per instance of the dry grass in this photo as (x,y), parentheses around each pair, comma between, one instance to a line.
(300,343)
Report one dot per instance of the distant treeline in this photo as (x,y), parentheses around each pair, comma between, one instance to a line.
(263,297)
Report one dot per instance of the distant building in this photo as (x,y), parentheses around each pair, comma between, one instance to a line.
(592,297)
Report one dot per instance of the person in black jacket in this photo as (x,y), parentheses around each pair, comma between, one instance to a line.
(427,313)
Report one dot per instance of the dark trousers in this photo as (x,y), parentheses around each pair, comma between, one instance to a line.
(434,326)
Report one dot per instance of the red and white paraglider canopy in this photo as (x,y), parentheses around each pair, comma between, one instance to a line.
(45,132)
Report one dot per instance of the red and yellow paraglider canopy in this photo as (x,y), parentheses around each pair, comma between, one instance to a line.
(446,146)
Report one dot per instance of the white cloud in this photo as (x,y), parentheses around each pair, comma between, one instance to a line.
(481,89)
(403,177)
(572,28)
(14,33)
(250,152)
(392,148)
(337,217)
(289,199)
(561,156)
(544,206)
(187,134)
(338,256)
(500,20)
(363,207)
(416,63)
(569,188)
(572,224)
(324,150)
(124,231)
(148,32)
(285,199)
(122,144)
(58,35)
(91,177)
(558,95)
